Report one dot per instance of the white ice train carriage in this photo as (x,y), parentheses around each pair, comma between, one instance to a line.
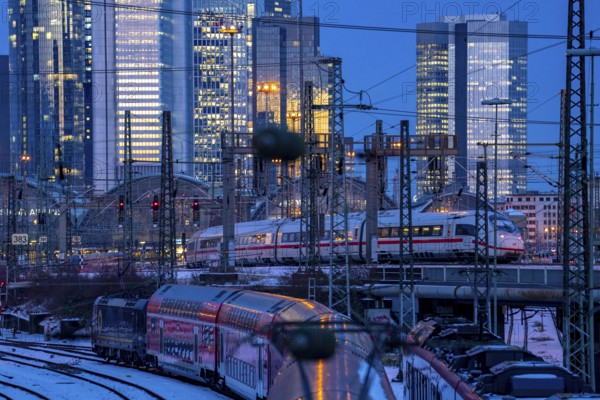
(448,236)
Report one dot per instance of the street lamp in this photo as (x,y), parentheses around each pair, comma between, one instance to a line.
(267,88)
(227,157)
(294,116)
(496,102)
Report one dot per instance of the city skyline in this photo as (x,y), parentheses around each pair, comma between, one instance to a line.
(382,60)
(463,63)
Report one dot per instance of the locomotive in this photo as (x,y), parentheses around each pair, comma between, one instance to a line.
(451,358)
(239,341)
(444,236)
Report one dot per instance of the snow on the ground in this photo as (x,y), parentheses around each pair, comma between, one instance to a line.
(59,387)
(539,336)
(63,387)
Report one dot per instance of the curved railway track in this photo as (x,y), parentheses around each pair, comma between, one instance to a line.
(18,389)
(119,388)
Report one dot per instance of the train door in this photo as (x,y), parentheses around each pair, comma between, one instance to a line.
(161,337)
(220,367)
(260,391)
(196,361)
(360,236)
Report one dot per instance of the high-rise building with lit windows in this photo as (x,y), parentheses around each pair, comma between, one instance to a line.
(4,116)
(285,48)
(141,62)
(462,61)
(47,70)
(221,30)
(278,8)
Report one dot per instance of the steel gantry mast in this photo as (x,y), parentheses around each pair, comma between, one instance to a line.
(481,273)
(166,219)
(128,204)
(577,266)
(310,222)
(339,276)
(405,263)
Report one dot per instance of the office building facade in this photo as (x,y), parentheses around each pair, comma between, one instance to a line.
(221,31)
(47,69)
(4,116)
(462,61)
(286,52)
(141,63)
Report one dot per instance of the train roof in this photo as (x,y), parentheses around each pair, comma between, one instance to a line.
(195,294)
(134,302)
(242,227)
(262,302)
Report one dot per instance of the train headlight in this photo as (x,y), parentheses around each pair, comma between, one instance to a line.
(501,236)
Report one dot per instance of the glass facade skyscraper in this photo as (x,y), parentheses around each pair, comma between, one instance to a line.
(47,69)
(462,61)
(212,75)
(141,57)
(278,8)
(277,59)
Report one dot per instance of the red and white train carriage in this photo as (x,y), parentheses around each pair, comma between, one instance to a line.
(448,236)
(231,338)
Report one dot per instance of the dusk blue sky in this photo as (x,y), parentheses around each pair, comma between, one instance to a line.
(370,57)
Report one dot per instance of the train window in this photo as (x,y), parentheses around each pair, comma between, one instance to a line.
(437,230)
(504,224)
(416,231)
(465,230)
(405,232)
(425,231)
(394,232)
(383,232)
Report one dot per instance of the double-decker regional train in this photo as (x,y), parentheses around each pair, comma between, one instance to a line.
(240,341)
(444,236)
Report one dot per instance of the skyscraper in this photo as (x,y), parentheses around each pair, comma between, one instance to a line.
(277,59)
(141,56)
(221,30)
(462,61)
(47,96)
(278,8)
(4,116)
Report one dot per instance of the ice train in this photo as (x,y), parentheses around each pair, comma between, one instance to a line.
(239,341)
(444,236)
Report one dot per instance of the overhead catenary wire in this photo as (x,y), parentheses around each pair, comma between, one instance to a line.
(236,17)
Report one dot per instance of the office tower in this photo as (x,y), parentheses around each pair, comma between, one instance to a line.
(141,62)
(278,8)
(221,30)
(4,116)
(462,61)
(286,51)
(277,65)
(46,48)
(88,92)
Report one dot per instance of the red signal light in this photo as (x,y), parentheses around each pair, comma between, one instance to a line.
(155,203)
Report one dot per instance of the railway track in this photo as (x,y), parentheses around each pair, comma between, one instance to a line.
(12,391)
(114,387)
(80,352)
